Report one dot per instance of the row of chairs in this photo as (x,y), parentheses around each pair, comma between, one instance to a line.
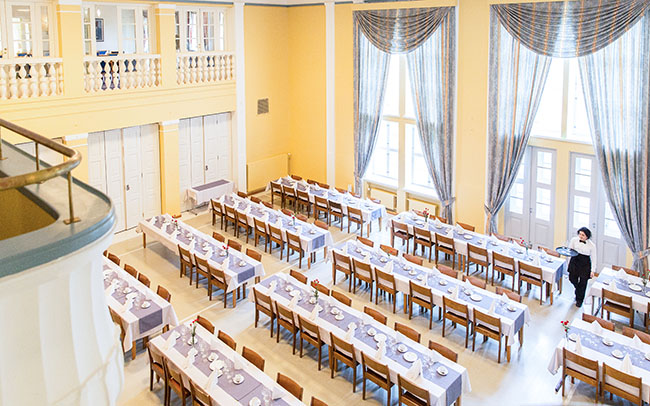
(342,351)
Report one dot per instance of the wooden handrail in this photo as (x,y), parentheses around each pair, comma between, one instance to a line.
(41,175)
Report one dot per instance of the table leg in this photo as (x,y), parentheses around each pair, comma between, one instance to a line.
(508,347)
(521,337)
(144,240)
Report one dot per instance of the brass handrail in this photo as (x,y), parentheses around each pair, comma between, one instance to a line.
(41,175)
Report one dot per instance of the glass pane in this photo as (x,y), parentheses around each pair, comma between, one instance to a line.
(145,31)
(583,183)
(548,121)
(222,31)
(21,30)
(516,205)
(128,47)
(544,176)
(611,228)
(543,195)
(583,165)
(391,98)
(517,190)
(208,45)
(128,17)
(544,159)
(409,108)
(520,172)
(542,212)
(128,31)
(45,30)
(577,121)
(582,204)
(384,158)
(417,171)
(580,220)
(177,32)
(192,31)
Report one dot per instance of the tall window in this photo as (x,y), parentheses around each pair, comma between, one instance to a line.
(398,160)
(111,29)
(200,29)
(25,29)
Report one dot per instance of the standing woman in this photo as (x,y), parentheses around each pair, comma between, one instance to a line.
(582,266)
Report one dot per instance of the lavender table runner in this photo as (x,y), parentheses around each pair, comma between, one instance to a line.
(595,342)
(623,285)
(210,185)
(148,318)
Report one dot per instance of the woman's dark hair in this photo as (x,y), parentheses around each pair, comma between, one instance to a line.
(586,231)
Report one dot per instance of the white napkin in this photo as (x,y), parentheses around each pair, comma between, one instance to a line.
(468,285)
(278,392)
(536,261)
(265,217)
(350,333)
(414,371)
(621,275)
(366,318)
(492,307)
(450,233)
(128,304)
(152,220)
(435,271)
(638,344)
(327,299)
(293,302)
(282,276)
(596,328)
(435,356)
(578,346)
(213,379)
(237,364)
(298,230)
(389,267)
(225,264)
(454,293)
(314,313)
(612,287)
(272,287)
(111,288)
(171,340)
(399,337)
(213,364)
(494,239)
(626,364)
(381,350)
(437,222)
(189,360)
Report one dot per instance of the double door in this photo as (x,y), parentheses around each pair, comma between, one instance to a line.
(125,165)
(204,152)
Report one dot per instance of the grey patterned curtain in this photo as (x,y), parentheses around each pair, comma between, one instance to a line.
(432,67)
(616,85)
(516,83)
(377,34)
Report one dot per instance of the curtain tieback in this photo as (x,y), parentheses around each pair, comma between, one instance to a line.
(488,211)
(448,202)
(642,254)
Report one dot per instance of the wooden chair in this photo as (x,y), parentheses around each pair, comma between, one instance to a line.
(296,177)
(164,293)
(321,288)
(302,202)
(218,237)
(229,341)
(322,225)
(234,244)
(467,227)
(444,351)
(445,245)
(175,383)
(218,281)
(490,327)
(617,303)
(253,357)
(287,212)
(202,270)
(321,206)
(343,264)
(199,397)
(186,263)
(251,253)
(285,318)
(378,316)
(407,331)
(263,304)
(533,276)
(575,366)
(479,257)
(631,332)
(385,283)
(504,265)
(317,402)
(131,270)
(294,244)
(117,320)
(241,194)
(444,269)
(475,281)
(340,190)
(366,241)
(389,250)
(502,237)
(413,259)
(114,258)
(275,236)
(335,209)
(410,394)
(290,197)
(144,280)
(302,217)
(105,253)
(550,251)
(268,204)
(323,185)
(609,384)
(362,273)
(607,325)
(259,231)
(626,270)
(341,298)
(242,222)
(310,333)
(377,373)
(205,323)
(312,182)
(300,277)
(276,190)
(457,313)
(217,211)
(401,231)
(290,385)
(230,217)
(423,297)
(422,237)
(356,216)
(511,295)
(341,350)
(255,199)
(441,219)
(156,368)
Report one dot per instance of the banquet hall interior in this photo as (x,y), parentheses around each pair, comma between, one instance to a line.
(287,202)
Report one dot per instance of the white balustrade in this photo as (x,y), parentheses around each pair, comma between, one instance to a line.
(23,78)
(205,67)
(109,73)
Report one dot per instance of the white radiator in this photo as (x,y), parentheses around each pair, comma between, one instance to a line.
(417,204)
(260,173)
(388,199)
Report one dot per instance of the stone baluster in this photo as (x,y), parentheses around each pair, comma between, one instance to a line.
(13,82)
(42,80)
(194,70)
(52,78)
(23,83)
(32,76)
(3,83)
(138,66)
(59,79)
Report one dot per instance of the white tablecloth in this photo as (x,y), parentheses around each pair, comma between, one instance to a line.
(219,395)
(213,190)
(605,280)
(438,394)
(195,245)
(130,321)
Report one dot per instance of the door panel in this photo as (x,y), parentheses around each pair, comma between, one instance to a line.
(132,175)
(542,197)
(518,204)
(150,170)
(212,146)
(114,177)
(225,149)
(196,148)
(96,161)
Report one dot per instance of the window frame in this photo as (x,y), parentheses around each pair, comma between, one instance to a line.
(6,29)
(181,29)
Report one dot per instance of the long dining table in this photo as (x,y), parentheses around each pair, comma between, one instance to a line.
(552,268)
(444,380)
(141,311)
(238,267)
(512,315)
(224,374)
(621,283)
(605,347)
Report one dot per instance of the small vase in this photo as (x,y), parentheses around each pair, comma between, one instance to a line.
(566,335)
(193,340)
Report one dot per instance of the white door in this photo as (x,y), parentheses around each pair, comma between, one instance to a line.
(150,170)
(224,151)
(196,148)
(114,179)
(132,175)
(96,161)
(518,203)
(184,161)
(588,207)
(212,146)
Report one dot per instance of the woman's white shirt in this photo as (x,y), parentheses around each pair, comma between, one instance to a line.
(587,248)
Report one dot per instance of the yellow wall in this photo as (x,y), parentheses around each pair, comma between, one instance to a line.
(344,95)
(26,215)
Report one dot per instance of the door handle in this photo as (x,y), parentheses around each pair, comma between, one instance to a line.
(206,167)
(128,188)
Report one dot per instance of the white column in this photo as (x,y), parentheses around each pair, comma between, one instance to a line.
(239,115)
(330,37)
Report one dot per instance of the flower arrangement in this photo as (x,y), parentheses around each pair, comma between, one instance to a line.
(644,278)
(293,219)
(175,223)
(425,213)
(193,330)
(525,244)
(315,289)
(226,248)
(565,324)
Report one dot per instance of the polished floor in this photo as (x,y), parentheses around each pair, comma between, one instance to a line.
(523,381)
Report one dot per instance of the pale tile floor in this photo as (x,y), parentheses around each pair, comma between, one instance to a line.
(525,380)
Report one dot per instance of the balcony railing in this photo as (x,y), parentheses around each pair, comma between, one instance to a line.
(22,78)
(110,73)
(205,67)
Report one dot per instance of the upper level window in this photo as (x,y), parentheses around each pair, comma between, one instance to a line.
(200,29)
(25,29)
(111,29)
